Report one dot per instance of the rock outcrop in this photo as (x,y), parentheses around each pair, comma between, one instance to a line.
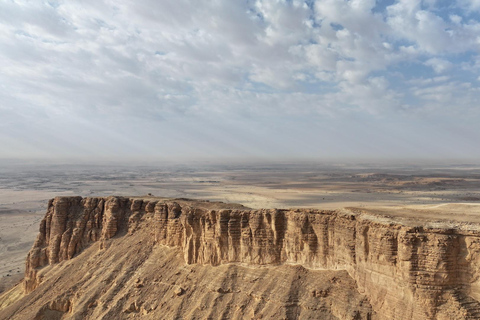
(404,271)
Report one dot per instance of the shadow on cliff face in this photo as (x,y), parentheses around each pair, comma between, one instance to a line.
(49,314)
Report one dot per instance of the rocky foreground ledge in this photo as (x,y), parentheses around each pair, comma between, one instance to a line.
(402,272)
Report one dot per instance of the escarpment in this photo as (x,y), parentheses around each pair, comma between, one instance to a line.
(404,271)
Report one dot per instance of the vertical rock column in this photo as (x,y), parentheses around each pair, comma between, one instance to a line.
(111,218)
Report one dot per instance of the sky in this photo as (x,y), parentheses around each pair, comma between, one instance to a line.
(253,79)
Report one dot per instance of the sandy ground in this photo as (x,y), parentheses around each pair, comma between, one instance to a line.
(427,193)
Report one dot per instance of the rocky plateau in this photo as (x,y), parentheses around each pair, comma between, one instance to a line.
(158,258)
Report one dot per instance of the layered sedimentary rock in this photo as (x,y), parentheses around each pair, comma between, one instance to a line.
(405,271)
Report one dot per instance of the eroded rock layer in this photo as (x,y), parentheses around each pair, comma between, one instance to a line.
(405,272)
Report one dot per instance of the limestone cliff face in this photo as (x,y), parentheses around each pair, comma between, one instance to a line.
(406,272)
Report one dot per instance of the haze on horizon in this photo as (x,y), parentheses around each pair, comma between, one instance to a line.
(395,79)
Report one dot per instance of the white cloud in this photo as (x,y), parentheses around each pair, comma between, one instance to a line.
(106,53)
(430,32)
(154,60)
(470,5)
(455,18)
(438,65)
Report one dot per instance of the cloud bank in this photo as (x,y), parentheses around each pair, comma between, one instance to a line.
(340,78)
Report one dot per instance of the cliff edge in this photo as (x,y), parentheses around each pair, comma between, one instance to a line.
(120,257)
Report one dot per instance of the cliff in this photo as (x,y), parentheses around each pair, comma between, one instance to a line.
(391,270)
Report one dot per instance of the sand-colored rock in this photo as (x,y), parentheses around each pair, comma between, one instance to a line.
(347,264)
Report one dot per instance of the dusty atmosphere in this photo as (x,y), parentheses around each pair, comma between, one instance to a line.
(435,196)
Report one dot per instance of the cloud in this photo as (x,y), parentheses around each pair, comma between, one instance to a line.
(470,5)
(161,60)
(438,65)
(148,49)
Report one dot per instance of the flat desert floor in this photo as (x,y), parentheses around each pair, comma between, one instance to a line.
(417,193)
